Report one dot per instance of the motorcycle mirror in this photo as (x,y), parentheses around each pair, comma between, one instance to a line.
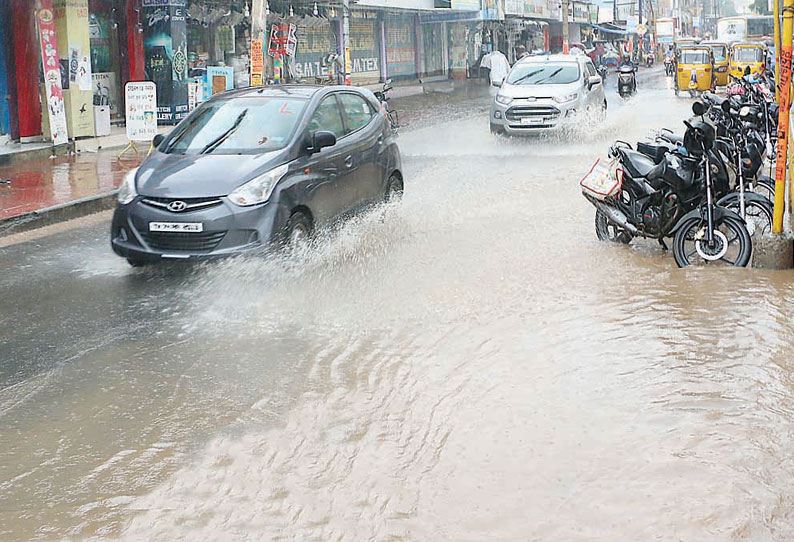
(726,106)
(699,108)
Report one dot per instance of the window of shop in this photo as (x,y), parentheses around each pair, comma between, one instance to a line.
(106,35)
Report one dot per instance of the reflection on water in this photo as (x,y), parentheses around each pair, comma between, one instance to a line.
(471,364)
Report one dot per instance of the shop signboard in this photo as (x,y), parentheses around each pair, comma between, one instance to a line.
(165,51)
(257,63)
(400,49)
(466,5)
(52,73)
(140,105)
(314,44)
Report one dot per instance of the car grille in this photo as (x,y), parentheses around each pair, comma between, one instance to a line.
(518,112)
(190,204)
(187,242)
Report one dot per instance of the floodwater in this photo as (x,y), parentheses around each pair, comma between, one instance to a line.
(471,364)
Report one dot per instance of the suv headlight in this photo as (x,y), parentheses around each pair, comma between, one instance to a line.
(566,98)
(504,100)
(258,190)
(127,190)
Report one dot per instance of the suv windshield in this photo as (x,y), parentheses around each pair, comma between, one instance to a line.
(237,126)
(544,74)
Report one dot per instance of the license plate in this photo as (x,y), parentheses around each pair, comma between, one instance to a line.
(179,227)
(532,120)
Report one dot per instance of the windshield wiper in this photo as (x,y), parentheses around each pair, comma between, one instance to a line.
(527,76)
(555,72)
(180,135)
(215,143)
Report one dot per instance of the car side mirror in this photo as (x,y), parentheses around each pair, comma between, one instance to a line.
(320,140)
(497,83)
(156,140)
(593,80)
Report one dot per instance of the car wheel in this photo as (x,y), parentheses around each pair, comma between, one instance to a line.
(394,190)
(298,231)
(137,262)
(496,129)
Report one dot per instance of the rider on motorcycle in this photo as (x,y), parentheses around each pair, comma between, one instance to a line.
(626,61)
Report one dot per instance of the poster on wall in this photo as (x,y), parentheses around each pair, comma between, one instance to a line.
(165,51)
(140,99)
(106,91)
(400,51)
(257,63)
(364,51)
(314,43)
(52,73)
(283,40)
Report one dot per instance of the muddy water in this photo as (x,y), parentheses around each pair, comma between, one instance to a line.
(469,365)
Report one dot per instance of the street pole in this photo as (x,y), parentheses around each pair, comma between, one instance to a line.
(258,31)
(565,34)
(784,67)
(346,40)
(776,9)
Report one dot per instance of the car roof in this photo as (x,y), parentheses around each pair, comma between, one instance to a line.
(293,90)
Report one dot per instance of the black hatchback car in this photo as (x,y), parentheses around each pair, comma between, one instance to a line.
(256,166)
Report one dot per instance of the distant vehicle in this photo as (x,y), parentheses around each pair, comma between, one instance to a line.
(721,54)
(539,92)
(255,167)
(745,28)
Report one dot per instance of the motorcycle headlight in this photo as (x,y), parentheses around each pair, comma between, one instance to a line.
(258,190)
(566,98)
(744,111)
(127,190)
(504,100)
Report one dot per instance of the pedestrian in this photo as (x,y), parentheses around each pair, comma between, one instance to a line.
(499,68)
(485,66)
(521,52)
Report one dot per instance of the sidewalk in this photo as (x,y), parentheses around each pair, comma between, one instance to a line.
(46,190)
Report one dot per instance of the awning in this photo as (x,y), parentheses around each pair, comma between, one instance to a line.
(611,29)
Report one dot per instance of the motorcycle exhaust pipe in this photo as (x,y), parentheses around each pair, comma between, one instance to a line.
(615,215)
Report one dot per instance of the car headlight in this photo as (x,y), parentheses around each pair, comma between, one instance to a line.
(504,100)
(127,190)
(258,190)
(566,98)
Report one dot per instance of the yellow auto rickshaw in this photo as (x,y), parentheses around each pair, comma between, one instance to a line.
(695,71)
(721,53)
(747,55)
(683,42)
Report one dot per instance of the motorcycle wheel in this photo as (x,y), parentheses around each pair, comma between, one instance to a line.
(609,232)
(732,245)
(765,187)
(758,212)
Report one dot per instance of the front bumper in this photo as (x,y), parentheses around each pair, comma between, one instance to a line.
(227,230)
(521,117)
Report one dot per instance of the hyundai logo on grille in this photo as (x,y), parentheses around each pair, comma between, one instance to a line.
(177,206)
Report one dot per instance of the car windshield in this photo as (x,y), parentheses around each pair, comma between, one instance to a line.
(544,74)
(237,126)
(747,54)
(694,57)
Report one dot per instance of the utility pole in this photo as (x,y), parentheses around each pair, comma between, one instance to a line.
(776,20)
(565,35)
(346,41)
(258,31)
(783,118)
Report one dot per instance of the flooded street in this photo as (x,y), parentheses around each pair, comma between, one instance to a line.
(471,364)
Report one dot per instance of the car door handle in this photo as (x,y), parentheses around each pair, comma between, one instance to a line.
(349,161)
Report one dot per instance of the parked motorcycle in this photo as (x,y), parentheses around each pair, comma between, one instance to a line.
(674,197)
(382,96)
(627,81)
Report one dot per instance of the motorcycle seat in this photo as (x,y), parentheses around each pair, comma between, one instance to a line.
(636,163)
(672,138)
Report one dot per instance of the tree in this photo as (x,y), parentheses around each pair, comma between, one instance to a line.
(726,8)
(760,7)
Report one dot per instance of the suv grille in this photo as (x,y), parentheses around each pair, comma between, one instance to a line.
(188,242)
(518,112)
(190,204)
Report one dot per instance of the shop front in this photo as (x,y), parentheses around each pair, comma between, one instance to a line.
(434,45)
(316,41)
(364,48)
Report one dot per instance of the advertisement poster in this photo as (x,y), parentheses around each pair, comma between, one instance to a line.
(106,91)
(283,40)
(140,100)
(165,52)
(52,73)
(257,63)
(314,43)
(364,51)
(219,79)
(400,51)
(84,73)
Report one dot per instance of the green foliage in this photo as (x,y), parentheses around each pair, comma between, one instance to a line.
(760,7)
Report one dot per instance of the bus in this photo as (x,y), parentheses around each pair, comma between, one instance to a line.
(746,28)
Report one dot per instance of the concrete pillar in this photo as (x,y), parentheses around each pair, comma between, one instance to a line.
(74,48)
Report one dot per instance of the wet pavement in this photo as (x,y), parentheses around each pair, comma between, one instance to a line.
(469,365)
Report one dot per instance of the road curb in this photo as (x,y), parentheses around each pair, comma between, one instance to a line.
(58,213)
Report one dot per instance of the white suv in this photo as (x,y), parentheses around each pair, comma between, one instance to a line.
(540,91)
